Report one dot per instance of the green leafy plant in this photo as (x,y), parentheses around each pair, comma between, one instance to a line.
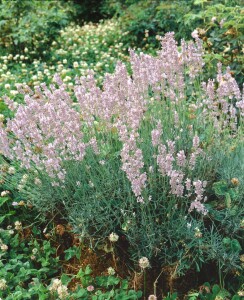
(220,26)
(208,292)
(32,25)
(98,288)
(26,264)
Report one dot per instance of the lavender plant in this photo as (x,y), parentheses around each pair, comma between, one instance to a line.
(137,157)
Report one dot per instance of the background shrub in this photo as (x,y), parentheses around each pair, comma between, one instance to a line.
(32,25)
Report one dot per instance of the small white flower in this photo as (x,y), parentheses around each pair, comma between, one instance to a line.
(113,237)
(144,262)
(91,184)
(11,170)
(240,293)
(18,225)
(3,284)
(194,34)
(25,177)
(62,292)
(55,284)
(5,193)
(111,271)
(4,247)
(75,64)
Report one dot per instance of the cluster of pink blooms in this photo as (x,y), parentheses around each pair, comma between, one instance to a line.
(174,166)
(132,160)
(49,128)
(222,102)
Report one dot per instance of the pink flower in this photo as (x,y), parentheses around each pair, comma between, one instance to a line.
(90,288)
(194,34)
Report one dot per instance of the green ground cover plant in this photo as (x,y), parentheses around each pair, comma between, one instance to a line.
(31,268)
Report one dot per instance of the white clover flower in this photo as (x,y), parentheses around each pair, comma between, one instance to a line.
(75,64)
(25,177)
(18,225)
(90,288)
(11,170)
(55,284)
(113,237)
(111,271)
(62,292)
(91,184)
(3,284)
(144,262)
(152,297)
(5,193)
(194,34)
(4,247)
(14,92)
(240,293)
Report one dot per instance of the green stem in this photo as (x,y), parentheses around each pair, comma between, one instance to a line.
(144,273)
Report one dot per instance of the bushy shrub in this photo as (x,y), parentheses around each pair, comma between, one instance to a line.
(32,25)
(139,157)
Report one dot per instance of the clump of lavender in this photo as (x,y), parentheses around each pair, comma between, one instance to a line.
(161,118)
